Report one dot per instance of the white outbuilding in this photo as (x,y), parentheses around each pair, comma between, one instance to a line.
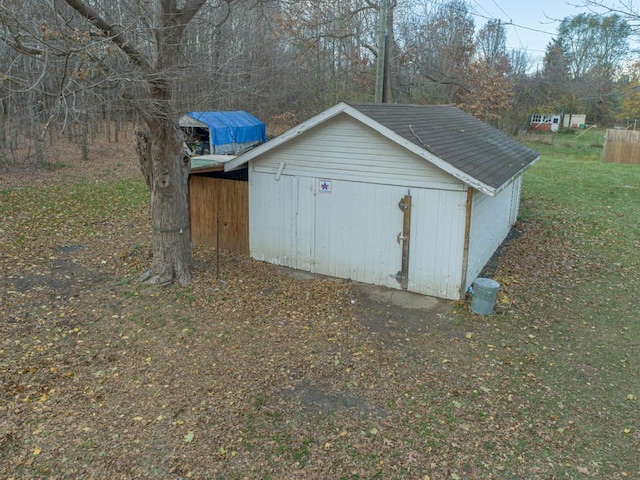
(405,196)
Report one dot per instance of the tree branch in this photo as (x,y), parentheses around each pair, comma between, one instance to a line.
(113,32)
(189,11)
(20,48)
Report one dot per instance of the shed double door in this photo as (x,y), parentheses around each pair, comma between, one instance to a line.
(351,230)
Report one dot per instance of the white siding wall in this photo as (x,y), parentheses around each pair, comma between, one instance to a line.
(437,242)
(348,233)
(491,220)
(273,209)
(343,149)
(356,230)
(352,232)
(515,200)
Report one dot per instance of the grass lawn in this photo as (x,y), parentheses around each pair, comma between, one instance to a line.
(250,373)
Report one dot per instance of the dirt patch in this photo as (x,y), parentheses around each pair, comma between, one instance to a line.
(63,279)
(318,400)
(395,317)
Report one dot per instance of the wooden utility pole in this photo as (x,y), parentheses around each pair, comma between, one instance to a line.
(382,47)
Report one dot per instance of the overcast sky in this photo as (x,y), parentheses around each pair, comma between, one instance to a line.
(530,24)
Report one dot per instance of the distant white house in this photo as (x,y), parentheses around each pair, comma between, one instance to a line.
(574,120)
(545,122)
(410,197)
(553,122)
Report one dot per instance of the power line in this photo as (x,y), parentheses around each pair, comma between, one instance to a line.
(489,16)
(482,7)
(533,29)
(500,8)
(515,30)
(515,24)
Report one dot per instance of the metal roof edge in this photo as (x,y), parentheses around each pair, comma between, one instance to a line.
(285,137)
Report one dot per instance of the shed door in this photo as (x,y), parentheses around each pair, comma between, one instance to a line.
(358,228)
(219,213)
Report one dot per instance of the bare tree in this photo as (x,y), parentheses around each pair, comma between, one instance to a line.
(438,45)
(239,59)
(333,46)
(520,61)
(491,43)
(135,47)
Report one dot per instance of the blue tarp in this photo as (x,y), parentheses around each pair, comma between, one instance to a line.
(232,127)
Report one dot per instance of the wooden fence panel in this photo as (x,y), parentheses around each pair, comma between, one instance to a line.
(219,203)
(622,146)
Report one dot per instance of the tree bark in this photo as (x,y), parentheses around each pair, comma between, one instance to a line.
(166,173)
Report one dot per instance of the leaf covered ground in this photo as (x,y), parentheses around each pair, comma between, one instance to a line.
(250,372)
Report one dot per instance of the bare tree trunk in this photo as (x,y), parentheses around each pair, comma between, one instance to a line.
(84,134)
(107,123)
(34,127)
(167,182)
(4,117)
(166,173)
(164,165)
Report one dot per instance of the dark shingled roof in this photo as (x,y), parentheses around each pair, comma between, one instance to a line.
(470,145)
